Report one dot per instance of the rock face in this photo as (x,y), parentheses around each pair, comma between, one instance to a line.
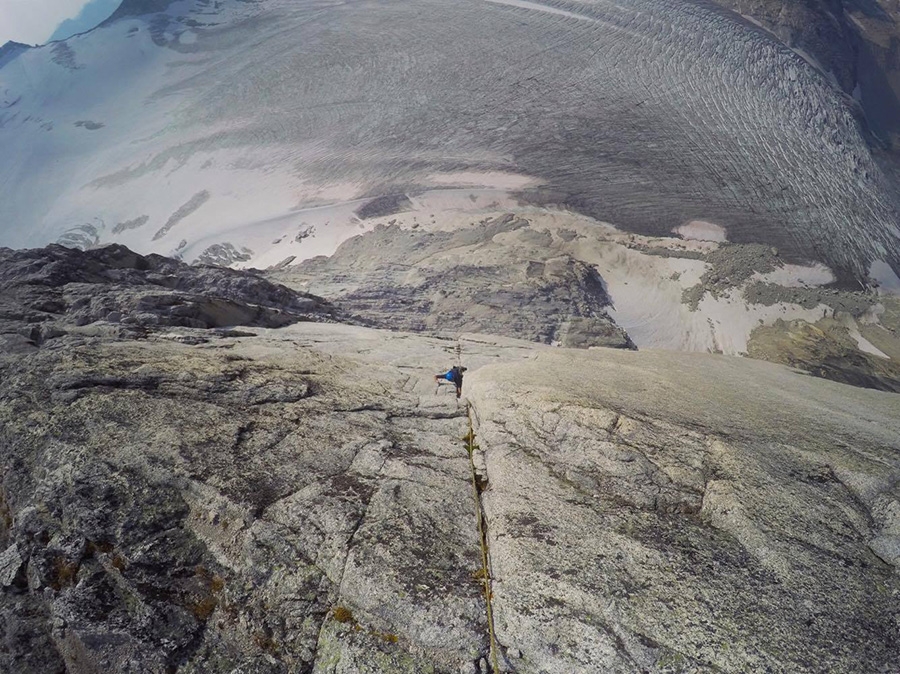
(559,279)
(11,50)
(654,512)
(301,499)
(499,276)
(44,293)
(825,349)
(278,510)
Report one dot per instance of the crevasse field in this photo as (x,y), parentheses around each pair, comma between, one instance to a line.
(253,131)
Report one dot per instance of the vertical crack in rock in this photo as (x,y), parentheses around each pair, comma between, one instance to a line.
(478,484)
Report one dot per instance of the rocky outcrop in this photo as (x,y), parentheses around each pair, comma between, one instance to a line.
(11,50)
(825,349)
(45,293)
(499,276)
(558,278)
(223,255)
(131,8)
(278,512)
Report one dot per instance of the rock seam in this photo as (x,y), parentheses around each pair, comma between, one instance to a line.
(482,539)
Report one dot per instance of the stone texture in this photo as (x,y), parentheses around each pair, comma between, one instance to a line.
(500,276)
(300,499)
(202,508)
(45,293)
(10,565)
(824,349)
(654,512)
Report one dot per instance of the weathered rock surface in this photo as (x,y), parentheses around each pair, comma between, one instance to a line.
(11,50)
(824,349)
(679,513)
(300,499)
(499,276)
(559,279)
(46,292)
(203,509)
(10,565)
(223,254)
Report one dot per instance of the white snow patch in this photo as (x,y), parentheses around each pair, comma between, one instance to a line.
(330,194)
(863,344)
(867,346)
(701,230)
(303,234)
(646,293)
(730,319)
(798,276)
(524,4)
(647,302)
(326,226)
(446,204)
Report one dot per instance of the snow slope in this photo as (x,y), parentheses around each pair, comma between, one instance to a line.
(235,125)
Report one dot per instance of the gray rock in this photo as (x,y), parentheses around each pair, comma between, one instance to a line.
(512,280)
(43,291)
(212,509)
(301,499)
(660,512)
(10,564)
(223,255)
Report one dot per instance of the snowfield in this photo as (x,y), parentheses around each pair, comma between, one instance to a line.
(252,132)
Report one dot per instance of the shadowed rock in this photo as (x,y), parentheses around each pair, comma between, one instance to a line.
(44,293)
(499,276)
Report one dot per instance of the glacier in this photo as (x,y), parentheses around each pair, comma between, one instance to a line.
(176,127)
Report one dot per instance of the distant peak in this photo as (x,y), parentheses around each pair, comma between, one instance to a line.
(92,14)
(139,8)
(11,50)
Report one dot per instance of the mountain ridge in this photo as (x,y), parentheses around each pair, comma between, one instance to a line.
(11,50)
(91,15)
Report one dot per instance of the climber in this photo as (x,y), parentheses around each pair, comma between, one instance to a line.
(455,375)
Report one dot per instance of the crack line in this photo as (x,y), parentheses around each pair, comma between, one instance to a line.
(482,539)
